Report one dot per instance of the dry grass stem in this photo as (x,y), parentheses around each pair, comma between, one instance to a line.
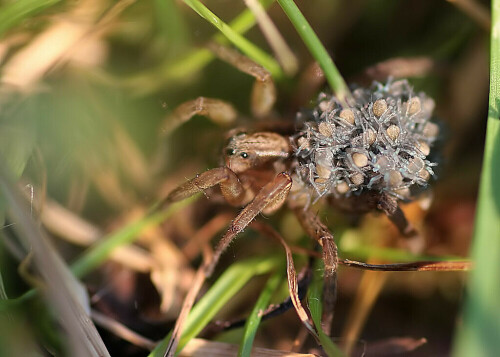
(413,266)
(202,348)
(292,277)
(394,346)
(399,67)
(29,64)
(368,290)
(121,331)
(203,236)
(77,192)
(66,224)
(71,227)
(171,274)
(285,56)
(62,289)
(199,279)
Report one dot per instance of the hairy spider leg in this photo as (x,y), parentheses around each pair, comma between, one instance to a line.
(230,185)
(218,111)
(314,228)
(389,205)
(271,196)
(263,91)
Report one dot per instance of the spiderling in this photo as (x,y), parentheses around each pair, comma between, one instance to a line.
(381,142)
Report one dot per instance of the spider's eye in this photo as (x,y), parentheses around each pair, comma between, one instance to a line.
(244,155)
(230,152)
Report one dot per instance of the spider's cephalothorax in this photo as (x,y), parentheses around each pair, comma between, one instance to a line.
(379,143)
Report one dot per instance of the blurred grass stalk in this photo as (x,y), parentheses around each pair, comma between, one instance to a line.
(14,12)
(61,290)
(318,51)
(247,47)
(479,335)
(100,252)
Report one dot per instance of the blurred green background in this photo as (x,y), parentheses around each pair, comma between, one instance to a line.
(86,85)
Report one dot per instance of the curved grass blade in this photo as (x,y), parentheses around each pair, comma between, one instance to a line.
(229,283)
(97,254)
(317,50)
(255,317)
(314,299)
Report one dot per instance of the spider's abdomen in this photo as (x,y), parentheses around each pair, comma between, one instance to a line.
(382,142)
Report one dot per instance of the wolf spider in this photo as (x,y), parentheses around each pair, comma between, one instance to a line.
(345,155)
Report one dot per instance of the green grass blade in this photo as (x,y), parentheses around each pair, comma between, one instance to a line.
(172,26)
(317,50)
(97,254)
(254,319)
(245,46)
(14,12)
(315,302)
(191,62)
(230,282)
(479,334)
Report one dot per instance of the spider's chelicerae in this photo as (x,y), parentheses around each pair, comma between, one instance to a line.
(361,156)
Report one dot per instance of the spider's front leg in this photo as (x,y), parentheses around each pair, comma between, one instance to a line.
(270,198)
(230,185)
(314,228)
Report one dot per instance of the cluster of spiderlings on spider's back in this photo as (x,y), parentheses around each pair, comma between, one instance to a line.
(381,142)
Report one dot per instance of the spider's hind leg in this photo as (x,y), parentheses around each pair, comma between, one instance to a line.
(264,91)
(414,241)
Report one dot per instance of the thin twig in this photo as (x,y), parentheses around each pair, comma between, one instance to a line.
(367,293)
(188,303)
(200,347)
(430,265)
(122,331)
(292,277)
(205,234)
